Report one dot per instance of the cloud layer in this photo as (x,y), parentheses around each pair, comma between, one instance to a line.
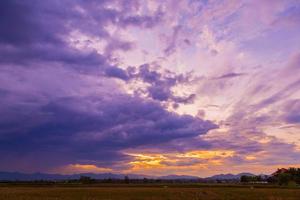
(194,87)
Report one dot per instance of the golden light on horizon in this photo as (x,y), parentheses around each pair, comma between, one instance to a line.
(190,159)
(208,154)
(250,157)
(82,168)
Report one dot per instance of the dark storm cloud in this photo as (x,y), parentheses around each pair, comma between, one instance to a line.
(37,30)
(53,54)
(118,123)
(59,104)
(114,124)
(22,23)
(28,21)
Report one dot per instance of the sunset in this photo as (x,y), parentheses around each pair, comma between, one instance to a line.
(153,88)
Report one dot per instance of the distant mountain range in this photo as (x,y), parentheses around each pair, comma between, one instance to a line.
(229,176)
(12,176)
(177,177)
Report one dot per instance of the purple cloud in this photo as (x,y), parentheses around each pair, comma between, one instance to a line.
(161,83)
(231,75)
(59,103)
(85,82)
(114,124)
(292,112)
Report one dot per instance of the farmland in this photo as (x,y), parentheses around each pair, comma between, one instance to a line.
(147,192)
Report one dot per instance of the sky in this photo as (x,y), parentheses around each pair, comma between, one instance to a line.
(154,87)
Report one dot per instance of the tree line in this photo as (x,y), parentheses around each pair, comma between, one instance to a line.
(281,176)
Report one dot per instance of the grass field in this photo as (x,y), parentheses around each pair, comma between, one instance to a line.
(147,193)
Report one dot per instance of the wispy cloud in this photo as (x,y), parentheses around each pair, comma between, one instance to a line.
(190,87)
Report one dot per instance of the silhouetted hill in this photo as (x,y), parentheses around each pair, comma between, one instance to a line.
(178,177)
(13,176)
(229,176)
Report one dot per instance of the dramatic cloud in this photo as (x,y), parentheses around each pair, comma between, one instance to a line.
(155,87)
(51,102)
(91,127)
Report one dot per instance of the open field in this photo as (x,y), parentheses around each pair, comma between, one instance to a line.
(148,193)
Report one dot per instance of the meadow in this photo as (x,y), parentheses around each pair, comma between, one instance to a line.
(156,192)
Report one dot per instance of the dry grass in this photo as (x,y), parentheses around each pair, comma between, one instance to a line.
(147,193)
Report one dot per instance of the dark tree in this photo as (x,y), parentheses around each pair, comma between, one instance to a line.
(126,179)
(86,179)
(284,178)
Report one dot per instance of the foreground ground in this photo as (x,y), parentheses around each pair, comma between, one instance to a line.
(147,193)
